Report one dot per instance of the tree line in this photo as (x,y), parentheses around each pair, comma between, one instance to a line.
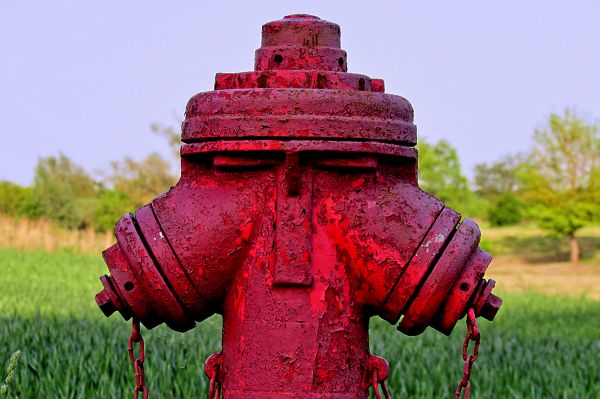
(67,194)
(556,184)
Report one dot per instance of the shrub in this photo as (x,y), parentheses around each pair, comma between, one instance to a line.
(12,198)
(507,211)
(111,205)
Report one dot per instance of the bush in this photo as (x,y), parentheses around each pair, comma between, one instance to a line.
(508,211)
(63,192)
(110,207)
(13,198)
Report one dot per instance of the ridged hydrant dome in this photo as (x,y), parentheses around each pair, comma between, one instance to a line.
(298,217)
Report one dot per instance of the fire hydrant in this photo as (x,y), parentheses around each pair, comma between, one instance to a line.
(297,217)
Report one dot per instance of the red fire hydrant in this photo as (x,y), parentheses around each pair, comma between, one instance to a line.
(298,218)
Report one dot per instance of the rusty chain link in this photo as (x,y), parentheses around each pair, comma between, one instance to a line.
(376,383)
(214,389)
(138,362)
(472,335)
(464,385)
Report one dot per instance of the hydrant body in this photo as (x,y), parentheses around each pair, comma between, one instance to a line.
(298,217)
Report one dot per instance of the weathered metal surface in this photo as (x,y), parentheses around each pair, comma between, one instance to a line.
(298,218)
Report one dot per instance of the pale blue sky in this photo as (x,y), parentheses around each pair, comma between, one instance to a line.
(88,77)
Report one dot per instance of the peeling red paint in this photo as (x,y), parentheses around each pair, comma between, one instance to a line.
(298,218)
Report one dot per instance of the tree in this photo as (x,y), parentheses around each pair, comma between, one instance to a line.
(498,178)
(141,181)
(62,191)
(440,174)
(498,184)
(506,211)
(561,178)
(12,198)
(111,205)
(172,135)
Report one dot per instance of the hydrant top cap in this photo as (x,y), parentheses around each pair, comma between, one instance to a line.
(301,30)
(300,89)
(301,16)
(300,42)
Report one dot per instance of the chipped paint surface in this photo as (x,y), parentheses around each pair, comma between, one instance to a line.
(298,218)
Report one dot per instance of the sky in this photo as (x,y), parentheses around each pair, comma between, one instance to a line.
(87,78)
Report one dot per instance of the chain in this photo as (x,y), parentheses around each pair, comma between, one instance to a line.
(472,335)
(376,383)
(214,389)
(138,362)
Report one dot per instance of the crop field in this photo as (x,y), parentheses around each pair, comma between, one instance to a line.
(539,346)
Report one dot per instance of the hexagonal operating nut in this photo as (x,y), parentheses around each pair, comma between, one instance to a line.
(490,307)
(105,304)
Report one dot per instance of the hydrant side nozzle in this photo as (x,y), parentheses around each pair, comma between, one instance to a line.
(442,279)
(298,216)
(147,280)
(423,260)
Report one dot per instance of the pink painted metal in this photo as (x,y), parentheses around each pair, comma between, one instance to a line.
(298,218)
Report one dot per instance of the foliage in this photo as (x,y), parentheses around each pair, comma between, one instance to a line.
(17,201)
(111,205)
(560,179)
(498,178)
(507,211)
(62,191)
(143,180)
(65,193)
(557,185)
(12,198)
(498,184)
(172,135)
(440,174)
(536,347)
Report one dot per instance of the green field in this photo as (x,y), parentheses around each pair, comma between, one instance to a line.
(538,347)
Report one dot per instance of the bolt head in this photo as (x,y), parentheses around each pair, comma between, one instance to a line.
(105,304)
(490,307)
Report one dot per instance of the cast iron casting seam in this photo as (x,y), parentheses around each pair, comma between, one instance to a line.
(403,144)
(410,260)
(159,269)
(410,152)
(279,118)
(166,238)
(337,154)
(432,266)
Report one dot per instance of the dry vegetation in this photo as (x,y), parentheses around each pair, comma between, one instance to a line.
(525,260)
(44,235)
(582,280)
